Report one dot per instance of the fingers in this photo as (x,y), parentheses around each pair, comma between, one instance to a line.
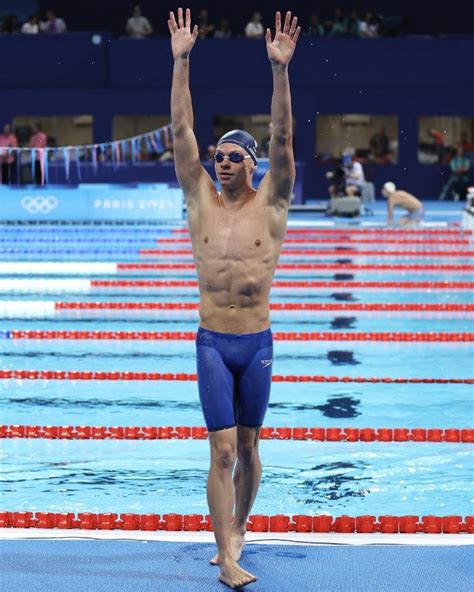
(277,22)
(195,32)
(286,26)
(182,23)
(293,26)
(297,34)
(172,23)
(268,36)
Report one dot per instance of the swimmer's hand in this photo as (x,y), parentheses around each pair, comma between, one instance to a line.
(281,49)
(182,39)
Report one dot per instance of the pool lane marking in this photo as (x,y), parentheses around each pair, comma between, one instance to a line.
(90,286)
(314,434)
(104,268)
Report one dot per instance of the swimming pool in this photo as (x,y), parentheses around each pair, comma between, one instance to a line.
(48,282)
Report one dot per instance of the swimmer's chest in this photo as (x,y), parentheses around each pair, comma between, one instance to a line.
(233,234)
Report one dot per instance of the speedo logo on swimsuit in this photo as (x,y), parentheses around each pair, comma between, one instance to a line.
(266,363)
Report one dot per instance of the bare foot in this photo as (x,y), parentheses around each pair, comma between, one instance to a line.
(237,543)
(234,576)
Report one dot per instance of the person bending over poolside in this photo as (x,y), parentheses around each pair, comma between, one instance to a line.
(404,200)
(236,236)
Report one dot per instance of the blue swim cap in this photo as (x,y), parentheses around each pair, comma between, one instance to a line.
(242,139)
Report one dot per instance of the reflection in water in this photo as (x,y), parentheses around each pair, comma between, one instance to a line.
(342,358)
(343,323)
(344,296)
(335,481)
(341,406)
(99,403)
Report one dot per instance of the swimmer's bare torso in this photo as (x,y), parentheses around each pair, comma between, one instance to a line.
(236,251)
(403,199)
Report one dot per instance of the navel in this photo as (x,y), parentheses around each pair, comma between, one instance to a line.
(206,239)
(258,242)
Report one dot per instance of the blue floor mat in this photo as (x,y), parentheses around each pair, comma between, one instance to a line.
(126,566)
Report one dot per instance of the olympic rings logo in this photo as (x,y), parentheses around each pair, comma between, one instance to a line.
(39,204)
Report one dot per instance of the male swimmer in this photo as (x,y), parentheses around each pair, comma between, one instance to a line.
(236,235)
(405,200)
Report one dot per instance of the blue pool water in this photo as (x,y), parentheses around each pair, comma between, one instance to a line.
(170,476)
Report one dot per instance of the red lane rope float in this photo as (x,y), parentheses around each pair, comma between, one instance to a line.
(278,336)
(346,231)
(316,266)
(329,307)
(67,432)
(332,252)
(345,240)
(427,285)
(367,524)
(182,376)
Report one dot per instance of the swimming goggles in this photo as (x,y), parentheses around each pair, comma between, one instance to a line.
(234,157)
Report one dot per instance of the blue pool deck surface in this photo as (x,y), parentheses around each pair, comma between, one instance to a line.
(137,566)
(299,477)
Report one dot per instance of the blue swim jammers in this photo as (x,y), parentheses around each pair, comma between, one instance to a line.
(234,377)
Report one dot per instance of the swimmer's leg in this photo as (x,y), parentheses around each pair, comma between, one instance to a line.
(247,477)
(220,497)
(253,397)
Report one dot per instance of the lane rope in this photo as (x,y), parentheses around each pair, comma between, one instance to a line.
(427,285)
(333,241)
(68,432)
(306,241)
(112,268)
(393,336)
(368,230)
(184,377)
(300,523)
(328,252)
(285,252)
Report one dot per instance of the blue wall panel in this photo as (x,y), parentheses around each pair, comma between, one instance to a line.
(403,77)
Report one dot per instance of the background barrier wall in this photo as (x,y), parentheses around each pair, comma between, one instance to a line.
(85,202)
(408,78)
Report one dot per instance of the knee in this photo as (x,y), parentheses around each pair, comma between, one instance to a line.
(224,456)
(247,453)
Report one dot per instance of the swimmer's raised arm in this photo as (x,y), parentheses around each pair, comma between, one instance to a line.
(282,164)
(186,152)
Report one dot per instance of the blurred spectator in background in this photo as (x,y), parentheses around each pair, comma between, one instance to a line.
(380,145)
(31,27)
(52,23)
(10,24)
(338,26)
(347,177)
(405,200)
(138,26)
(315,29)
(465,144)
(438,143)
(254,28)
(223,30)
(209,153)
(456,185)
(354,172)
(206,28)
(369,28)
(38,139)
(8,140)
(353,24)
